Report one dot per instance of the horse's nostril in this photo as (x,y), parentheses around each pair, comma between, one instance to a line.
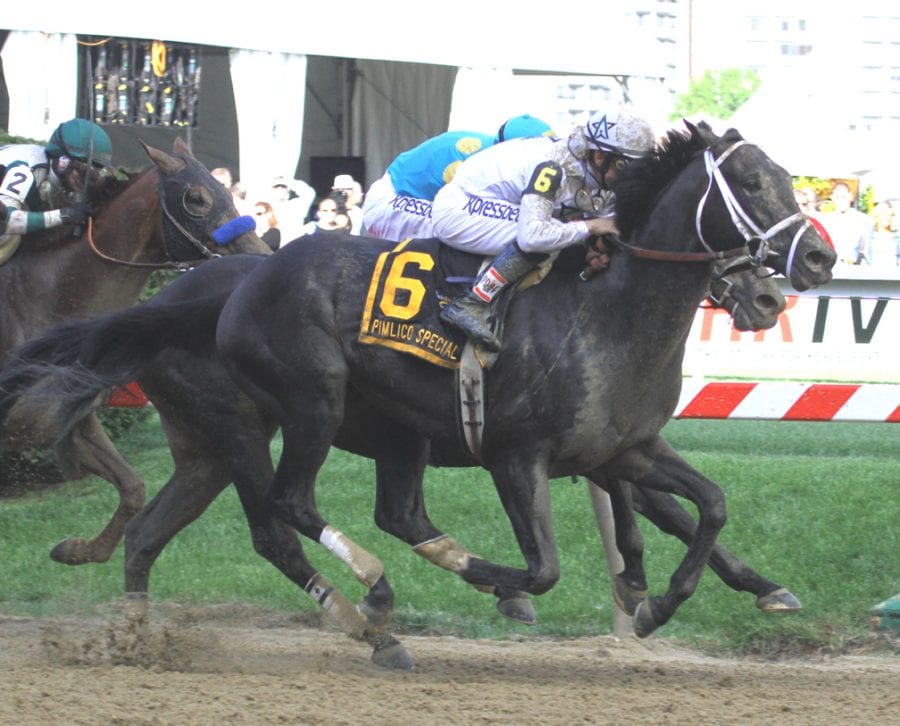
(769,303)
(818,260)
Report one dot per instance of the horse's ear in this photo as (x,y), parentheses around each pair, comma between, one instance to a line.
(181,147)
(167,164)
(702,131)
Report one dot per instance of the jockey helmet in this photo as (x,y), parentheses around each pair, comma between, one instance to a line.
(619,131)
(74,138)
(522,127)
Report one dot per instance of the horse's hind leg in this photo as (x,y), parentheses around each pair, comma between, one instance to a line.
(296,506)
(307,399)
(187,495)
(192,487)
(400,508)
(92,451)
(520,478)
(670,517)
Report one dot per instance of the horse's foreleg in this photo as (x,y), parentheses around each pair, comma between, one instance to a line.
(670,517)
(655,465)
(92,451)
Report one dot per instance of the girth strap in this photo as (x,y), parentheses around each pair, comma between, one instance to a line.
(471,398)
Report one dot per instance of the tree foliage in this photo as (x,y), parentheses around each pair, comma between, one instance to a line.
(717,93)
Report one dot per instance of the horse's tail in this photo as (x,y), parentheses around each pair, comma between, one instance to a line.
(68,367)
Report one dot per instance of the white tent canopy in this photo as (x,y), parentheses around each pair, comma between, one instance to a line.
(809,130)
(462,33)
(409,51)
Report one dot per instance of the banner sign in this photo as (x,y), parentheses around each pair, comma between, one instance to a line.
(842,337)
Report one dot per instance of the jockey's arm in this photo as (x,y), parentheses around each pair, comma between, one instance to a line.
(15,219)
(19,221)
(538,229)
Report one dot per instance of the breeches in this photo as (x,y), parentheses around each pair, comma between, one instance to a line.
(388,215)
(479,224)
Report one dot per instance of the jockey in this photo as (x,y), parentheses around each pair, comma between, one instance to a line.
(522,200)
(398,205)
(32,177)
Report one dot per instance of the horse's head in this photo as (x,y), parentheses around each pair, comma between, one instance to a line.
(750,295)
(743,205)
(758,196)
(195,205)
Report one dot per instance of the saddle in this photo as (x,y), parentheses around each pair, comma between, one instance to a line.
(409,285)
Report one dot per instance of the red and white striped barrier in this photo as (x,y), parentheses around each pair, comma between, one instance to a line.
(129,396)
(790,401)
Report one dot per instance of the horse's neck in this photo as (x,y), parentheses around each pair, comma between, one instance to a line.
(128,230)
(633,317)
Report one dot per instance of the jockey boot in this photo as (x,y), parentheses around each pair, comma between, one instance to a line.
(470,312)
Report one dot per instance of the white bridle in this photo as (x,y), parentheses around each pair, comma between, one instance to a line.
(741,220)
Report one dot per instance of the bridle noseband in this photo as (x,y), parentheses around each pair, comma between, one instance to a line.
(187,236)
(742,221)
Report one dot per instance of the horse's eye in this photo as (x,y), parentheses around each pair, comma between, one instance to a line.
(197,200)
(752,183)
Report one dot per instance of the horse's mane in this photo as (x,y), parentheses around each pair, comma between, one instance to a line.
(643,179)
(112,186)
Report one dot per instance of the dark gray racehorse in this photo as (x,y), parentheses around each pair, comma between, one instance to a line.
(588,375)
(154,219)
(217,435)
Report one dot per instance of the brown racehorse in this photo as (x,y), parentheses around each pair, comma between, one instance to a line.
(161,217)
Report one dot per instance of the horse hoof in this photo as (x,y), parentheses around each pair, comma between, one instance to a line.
(74,551)
(518,608)
(627,597)
(781,600)
(393,655)
(643,622)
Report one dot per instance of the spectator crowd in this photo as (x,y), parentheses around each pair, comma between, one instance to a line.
(288,208)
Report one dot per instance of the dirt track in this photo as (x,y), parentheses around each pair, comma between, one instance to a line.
(245,667)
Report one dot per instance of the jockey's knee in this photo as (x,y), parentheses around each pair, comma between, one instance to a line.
(535,253)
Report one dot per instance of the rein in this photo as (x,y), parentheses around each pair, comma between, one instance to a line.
(168,265)
(665,256)
(741,220)
(197,244)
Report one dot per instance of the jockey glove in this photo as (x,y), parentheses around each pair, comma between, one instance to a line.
(76,214)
